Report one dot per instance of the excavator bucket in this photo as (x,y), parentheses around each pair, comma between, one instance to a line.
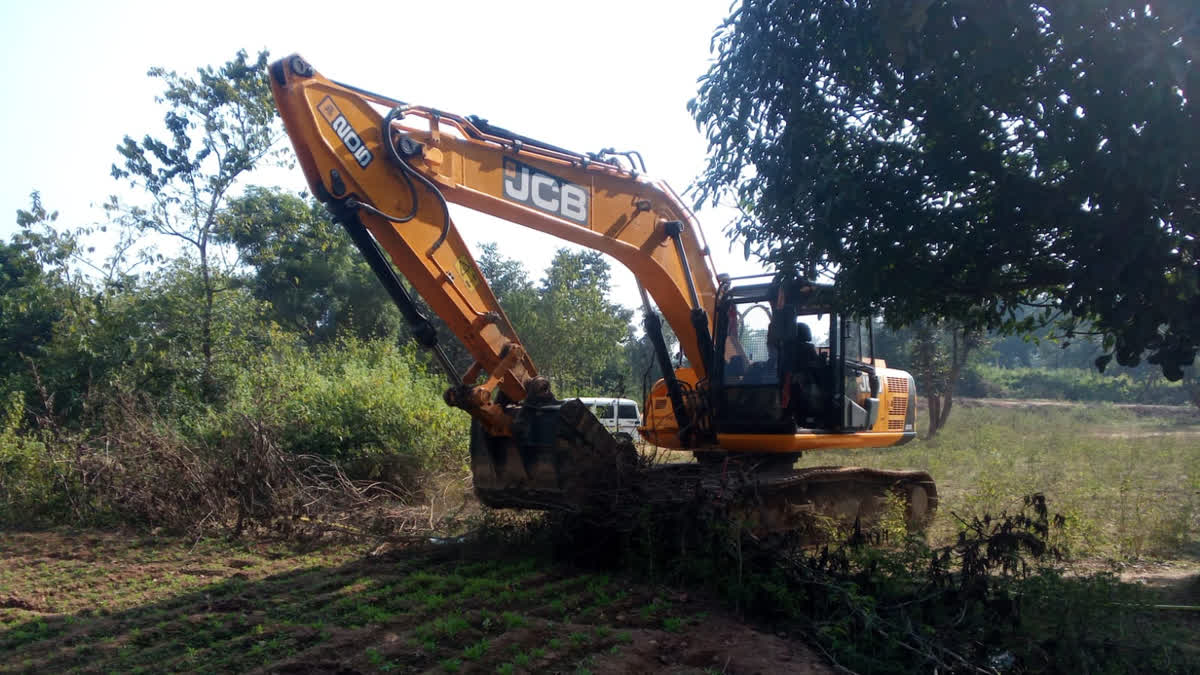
(559,458)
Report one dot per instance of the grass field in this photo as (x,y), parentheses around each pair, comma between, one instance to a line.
(1127,483)
(107,602)
(97,602)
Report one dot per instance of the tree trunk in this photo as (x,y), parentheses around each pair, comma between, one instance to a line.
(207,386)
(942,403)
(934,404)
(960,349)
(946,409)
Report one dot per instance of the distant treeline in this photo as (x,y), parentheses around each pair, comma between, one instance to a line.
(1070,384)
(1000,366)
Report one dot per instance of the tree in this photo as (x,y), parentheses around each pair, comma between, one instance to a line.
(573,332)
(303,264)
(1191,384)
(142,337)
(45,299)
(963,160)
(506,277)
(510,283)
(578,335)
(33,290)
(220,124)
(939,353)
(892,344)
(67,338)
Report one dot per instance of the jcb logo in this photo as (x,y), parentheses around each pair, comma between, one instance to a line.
(344,131)
(548,193)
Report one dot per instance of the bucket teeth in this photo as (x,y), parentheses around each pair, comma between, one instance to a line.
(559,458)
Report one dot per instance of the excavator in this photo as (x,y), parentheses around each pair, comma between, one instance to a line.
(750,395)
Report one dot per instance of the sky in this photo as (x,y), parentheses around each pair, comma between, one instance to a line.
(579,75)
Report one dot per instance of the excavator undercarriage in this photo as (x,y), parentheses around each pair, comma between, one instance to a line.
(561,458)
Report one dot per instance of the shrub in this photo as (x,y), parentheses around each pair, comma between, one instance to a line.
(369,405)
(992,600)
(27,490)
(1073,384)
(302,434)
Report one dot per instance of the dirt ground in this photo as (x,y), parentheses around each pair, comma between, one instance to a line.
(90,601)
(105,602)
(720,645)
(1182,413)
(1174,582)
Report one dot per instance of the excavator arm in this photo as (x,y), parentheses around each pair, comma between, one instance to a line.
(388,169)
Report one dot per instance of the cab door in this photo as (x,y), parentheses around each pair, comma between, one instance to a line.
(747,373)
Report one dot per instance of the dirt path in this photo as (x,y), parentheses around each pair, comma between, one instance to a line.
(1175,582)
(1142,409)
(1173,585)
(719,645)
(1149,433)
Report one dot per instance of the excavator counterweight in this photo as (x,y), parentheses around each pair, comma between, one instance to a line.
(757,390)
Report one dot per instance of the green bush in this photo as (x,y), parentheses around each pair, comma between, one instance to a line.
(24,479)
(369,405)
(29,494)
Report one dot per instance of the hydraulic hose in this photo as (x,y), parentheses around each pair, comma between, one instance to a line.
(407,171)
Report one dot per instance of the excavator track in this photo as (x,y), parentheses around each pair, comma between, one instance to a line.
(842,495)
(768,498)
(560,458)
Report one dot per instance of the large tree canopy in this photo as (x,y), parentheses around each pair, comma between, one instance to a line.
(962,159)
(305,267)
(572,329)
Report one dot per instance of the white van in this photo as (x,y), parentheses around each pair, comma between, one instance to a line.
(620,416)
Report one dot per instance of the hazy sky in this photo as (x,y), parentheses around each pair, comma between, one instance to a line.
(579,75)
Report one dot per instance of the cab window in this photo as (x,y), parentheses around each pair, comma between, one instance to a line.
(627,411)
(749,356)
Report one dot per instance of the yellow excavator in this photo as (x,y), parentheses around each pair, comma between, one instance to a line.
(755,391)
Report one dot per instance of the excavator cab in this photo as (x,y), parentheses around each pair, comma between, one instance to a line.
(773,377)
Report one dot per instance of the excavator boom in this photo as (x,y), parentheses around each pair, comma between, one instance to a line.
(396,165)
